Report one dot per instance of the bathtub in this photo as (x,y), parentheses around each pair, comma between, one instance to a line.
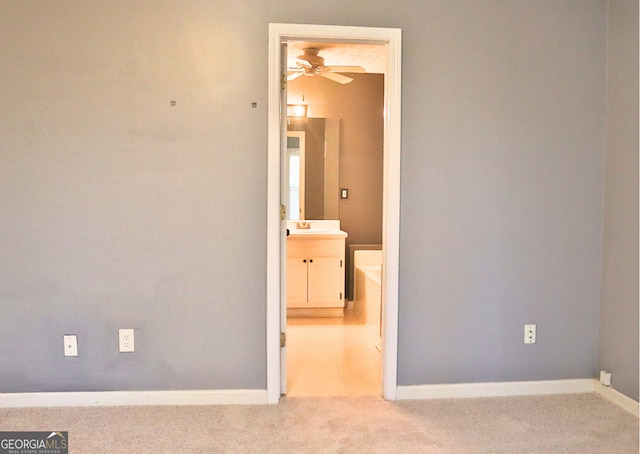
(368,291)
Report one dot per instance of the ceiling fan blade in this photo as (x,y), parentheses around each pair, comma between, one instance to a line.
(294,76)
(297,63)
(337,77)
(346,69)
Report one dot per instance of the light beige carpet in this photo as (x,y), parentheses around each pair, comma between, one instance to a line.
(577,423)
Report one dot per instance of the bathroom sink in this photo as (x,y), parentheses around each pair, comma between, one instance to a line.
(303,231)
(317,233)
(315,229)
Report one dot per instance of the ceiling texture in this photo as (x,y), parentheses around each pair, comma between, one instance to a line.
(370,56)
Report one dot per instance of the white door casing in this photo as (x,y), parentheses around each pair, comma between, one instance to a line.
(276,293)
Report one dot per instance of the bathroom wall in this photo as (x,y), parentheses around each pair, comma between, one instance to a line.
(359,106)
(119,209)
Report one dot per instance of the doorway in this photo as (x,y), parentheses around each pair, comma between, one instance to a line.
(276,300)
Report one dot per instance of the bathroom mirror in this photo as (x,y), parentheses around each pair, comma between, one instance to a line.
(313,149)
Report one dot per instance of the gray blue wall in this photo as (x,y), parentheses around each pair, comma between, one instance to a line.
(618,339)
(502,191)
(119,210)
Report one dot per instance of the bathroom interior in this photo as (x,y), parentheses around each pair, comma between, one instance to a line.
(334,218)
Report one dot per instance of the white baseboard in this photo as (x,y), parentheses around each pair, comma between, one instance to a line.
(523,388)
(259,396)
(617,398)
(134,398)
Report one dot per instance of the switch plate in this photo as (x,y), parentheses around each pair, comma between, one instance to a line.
(530,334)
(126,340)
(70,345)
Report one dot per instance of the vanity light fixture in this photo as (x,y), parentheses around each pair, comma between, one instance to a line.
(297,110)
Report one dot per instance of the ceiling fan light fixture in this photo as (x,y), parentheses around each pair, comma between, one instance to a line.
(311,64)
(297,110)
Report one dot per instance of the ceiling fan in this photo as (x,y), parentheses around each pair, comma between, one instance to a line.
(311,64)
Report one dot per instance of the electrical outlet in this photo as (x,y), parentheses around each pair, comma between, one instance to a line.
(529,334)
(605,377)
(126,340)
(70,345)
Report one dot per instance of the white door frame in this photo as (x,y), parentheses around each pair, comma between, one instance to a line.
(391,37)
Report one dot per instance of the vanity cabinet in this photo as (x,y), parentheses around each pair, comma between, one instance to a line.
(315,272)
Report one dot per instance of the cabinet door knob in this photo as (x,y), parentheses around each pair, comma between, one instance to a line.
(310,260)
(304,261)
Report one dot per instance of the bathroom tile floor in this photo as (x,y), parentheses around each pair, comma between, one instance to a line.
(332,357)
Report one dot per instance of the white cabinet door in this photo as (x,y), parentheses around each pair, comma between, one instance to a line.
(315,273)
(296,282)
(325,282)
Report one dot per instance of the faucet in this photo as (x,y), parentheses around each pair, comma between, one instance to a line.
(303,225)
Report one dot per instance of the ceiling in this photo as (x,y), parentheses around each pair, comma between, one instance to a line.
(372,57)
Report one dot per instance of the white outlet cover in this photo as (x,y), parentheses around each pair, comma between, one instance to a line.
(126,341)
(605,377)
(70,345)
(530,334)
